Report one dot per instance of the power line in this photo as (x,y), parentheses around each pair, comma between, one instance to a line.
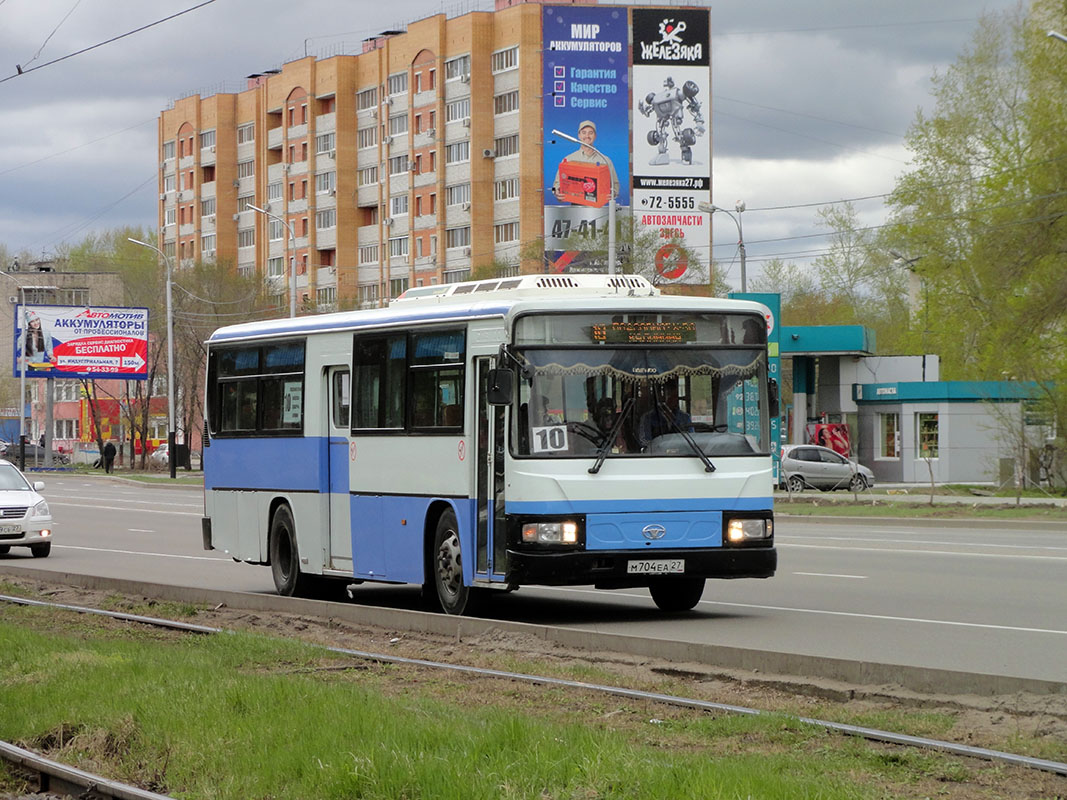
(21,71)
(53,33)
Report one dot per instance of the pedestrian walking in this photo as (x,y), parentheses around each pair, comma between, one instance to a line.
(109,456)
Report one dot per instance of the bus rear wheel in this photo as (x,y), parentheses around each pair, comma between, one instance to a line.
(284,556)
(677,594)
(447,566)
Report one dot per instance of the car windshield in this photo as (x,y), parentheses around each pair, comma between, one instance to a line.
(636,402)
(11,480)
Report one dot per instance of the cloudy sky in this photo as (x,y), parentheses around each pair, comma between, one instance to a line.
(810,100)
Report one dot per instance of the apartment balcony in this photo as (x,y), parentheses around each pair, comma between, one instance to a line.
(275,138)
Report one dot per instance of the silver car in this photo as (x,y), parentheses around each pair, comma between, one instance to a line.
(25,520)
(805,465)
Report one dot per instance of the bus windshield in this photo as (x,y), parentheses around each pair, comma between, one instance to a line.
(646,388)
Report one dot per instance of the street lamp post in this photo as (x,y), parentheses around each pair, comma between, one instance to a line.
(292,264)
(170,361)
(708,208)
(611,200)
(21,356)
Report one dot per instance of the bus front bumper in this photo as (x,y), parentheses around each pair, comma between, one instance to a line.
(616,569)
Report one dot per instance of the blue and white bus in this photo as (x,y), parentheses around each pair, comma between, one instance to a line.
(541,429)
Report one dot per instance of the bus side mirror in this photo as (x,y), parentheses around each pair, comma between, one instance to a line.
(772,397)
(501,387)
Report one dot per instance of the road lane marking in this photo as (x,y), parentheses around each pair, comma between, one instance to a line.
(140,553)
(140,530)
(930,541)
(830,575)
(906,551)
(131,510)
(821,612)
(68,497)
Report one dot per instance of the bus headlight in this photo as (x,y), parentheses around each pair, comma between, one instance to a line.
(745,530)
(550,533)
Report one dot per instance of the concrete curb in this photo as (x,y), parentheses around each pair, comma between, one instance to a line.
(767,663)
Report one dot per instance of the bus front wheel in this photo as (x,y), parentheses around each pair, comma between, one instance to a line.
(447,563)
(284,556)
(677,594)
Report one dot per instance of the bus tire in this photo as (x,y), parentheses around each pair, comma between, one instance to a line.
(447,564)
(677,594)
(284,556)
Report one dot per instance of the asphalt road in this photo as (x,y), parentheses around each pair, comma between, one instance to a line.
(978,598)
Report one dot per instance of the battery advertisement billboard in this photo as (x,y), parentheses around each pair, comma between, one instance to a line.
(585,96)
(81,342)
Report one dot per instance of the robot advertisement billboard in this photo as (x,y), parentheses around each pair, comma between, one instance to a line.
(586,96)
(672,137)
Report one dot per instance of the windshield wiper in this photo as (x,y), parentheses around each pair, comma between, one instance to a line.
(668,414)
(609,440)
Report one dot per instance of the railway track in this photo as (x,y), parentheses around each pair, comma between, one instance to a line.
(55,774)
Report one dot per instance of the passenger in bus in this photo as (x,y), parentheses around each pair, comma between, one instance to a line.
(653,421)
(606,416)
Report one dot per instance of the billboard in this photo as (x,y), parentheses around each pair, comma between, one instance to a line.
(672,138)
(585,95)
(81,342)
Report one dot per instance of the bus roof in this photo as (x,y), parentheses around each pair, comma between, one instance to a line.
(476,300)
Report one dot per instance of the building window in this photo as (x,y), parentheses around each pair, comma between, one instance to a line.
(168,183)
(367,137)
(325,142)
(170,216)
(398,164)
(275,267)
(398,206)
(458,152)
(368,254)
(926,435)
(398,83)
(398,247)
(275,230)
(397,286)
(460,193)
(246,237)
(505,59)
(274,191)
(368,98)
(326,297)
(457,68)
(367,176)
(506,103)
(506,232)
(168,150)
(458,237)
(326,219)
(67,391)
(506,189)
(207,207)
(398,124)
(246,133)
(368,294)
(246,169)
(65,428)
(457,110)
(506,145)
(207,139)
(244,201)
(207,243)
(889,435)
(325,182)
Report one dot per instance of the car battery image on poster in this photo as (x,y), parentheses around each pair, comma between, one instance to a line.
(81,342)
(586,96)
(672,138)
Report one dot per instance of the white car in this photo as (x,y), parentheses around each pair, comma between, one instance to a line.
(805,465)
(25,520)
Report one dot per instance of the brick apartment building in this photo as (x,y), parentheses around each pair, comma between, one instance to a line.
(397,167)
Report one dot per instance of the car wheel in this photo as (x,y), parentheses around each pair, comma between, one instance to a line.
(795,483)
(677,594)
(858,483)
(41,550)
(447,567)
(4,549)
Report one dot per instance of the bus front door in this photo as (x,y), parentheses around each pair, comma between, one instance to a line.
(338,435)
(489,446)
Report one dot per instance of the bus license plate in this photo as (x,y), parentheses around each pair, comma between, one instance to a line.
(656,566)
